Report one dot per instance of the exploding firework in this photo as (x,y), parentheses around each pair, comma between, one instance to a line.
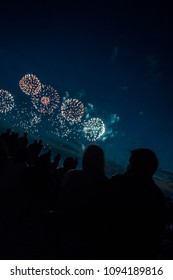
(93,129)
(6,101)
(72,110)
(47,100)
(30,84)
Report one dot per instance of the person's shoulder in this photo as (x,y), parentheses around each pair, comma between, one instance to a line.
(74,172)
(116,178)
(59,170)
(72,175)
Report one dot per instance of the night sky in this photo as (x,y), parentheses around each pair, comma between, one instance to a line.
(117,59)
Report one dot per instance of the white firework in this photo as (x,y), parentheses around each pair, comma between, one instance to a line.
(93,129)
(6,101)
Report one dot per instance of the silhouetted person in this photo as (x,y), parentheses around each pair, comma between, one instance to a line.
(35,150)
(138,209)
(23,140)
(59,173)
(83,204)
(12,201)
(56,161)
(39,183)
(6,137)
(68,164)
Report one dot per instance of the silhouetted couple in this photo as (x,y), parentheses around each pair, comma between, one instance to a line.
(118,218)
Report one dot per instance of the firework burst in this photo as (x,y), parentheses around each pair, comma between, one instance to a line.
(72,110)
(93,129)
(47,100)
(30,84)
(6,101)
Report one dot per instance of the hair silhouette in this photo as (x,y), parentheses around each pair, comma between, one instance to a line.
(93,160)
(143,162)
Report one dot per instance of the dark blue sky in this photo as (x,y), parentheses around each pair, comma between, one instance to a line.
(120,55)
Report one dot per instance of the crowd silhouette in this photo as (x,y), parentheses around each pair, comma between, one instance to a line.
(53,212)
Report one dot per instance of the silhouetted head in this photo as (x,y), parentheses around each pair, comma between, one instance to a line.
(69,163)
(93,159)
(143,162)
